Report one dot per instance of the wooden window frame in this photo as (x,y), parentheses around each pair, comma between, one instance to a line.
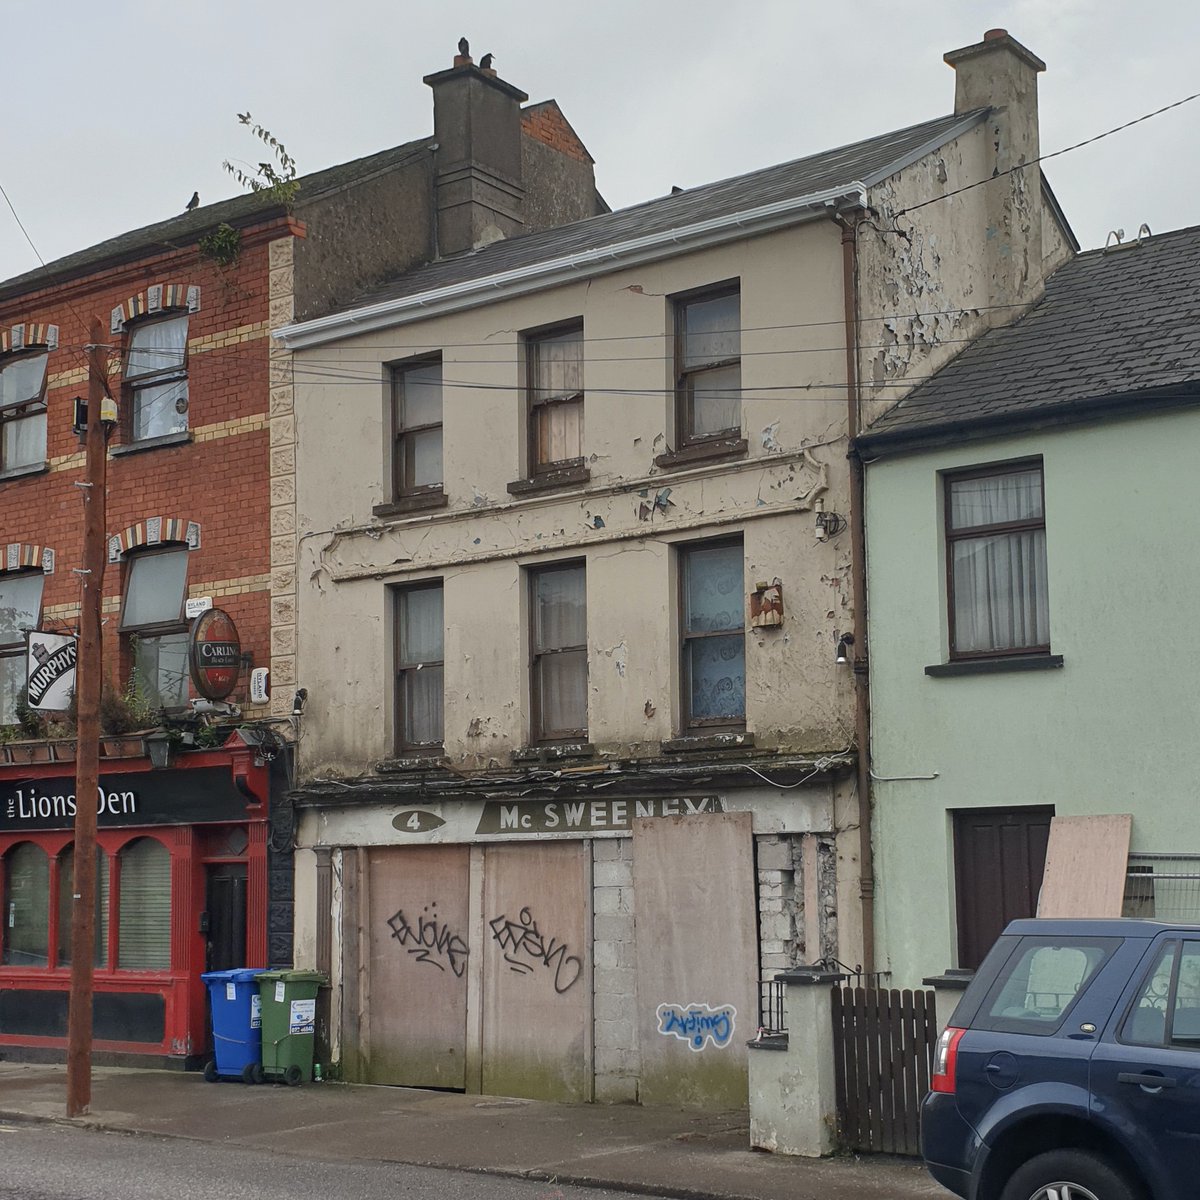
(951,536)
(539,733)
(24,410)
(684,393)
(138,383)
(18,650)
(401,434)
(533,340)
(692,724)
(403,665)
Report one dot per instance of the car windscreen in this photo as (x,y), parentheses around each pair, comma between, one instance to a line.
(1040,982)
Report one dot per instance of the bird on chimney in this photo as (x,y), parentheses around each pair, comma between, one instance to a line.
(194,202)
(464,47)
(485,62)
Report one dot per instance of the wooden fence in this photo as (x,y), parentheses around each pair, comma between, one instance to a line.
(883,1043)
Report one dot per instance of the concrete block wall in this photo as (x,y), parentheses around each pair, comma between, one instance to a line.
(780,933)
(618,1062)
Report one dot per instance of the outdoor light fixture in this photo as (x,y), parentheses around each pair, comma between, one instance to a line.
(298,701)
(843,648)
(829,524)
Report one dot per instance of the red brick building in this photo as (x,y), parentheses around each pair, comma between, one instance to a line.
(194,860)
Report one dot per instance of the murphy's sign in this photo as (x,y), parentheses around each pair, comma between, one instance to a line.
(588,816)
(214,654)
(184,797)
(51,670)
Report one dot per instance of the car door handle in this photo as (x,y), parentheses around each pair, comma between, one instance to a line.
(1150,1081)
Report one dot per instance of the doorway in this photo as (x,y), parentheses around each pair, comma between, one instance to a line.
(226,904)
(999,859)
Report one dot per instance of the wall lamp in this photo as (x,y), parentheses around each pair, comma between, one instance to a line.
(843,648)
(828,524)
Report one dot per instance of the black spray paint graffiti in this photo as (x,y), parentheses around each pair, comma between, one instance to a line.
(430,937)
(523,937)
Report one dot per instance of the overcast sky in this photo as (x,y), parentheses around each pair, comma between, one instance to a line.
(115,113)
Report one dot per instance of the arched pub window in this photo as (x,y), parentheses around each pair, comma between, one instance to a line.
(26,907)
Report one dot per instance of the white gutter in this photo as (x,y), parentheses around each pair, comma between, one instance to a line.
(522,280)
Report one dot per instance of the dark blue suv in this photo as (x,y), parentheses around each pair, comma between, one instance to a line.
(1070,1069)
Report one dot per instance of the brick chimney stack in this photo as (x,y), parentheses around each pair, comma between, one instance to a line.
(1000,74)
(479,171)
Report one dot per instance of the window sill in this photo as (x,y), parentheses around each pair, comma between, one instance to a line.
(549,481)
(996,666)
(554,752)
(718,450)
(413,761)
(156,443)
(417,502)
(23,472)
(707,742)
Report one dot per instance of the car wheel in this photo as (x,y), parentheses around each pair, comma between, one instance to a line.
(1069,1175)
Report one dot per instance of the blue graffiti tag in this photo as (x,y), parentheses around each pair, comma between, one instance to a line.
(697,1023)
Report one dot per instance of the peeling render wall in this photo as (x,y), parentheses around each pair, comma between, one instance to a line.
(624,522)
(933,279)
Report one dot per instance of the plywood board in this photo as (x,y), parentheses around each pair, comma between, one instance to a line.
(697,957)
(1086,862)
(537,974)
(417,936)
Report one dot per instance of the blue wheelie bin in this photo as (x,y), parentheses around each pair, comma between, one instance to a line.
(236,1025)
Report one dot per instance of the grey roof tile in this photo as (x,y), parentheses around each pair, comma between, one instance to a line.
(865,162)
(187,227)
(1111,324)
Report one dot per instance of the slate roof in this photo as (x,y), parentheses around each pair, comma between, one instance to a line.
(187,227)
(1116,327)
(865,162)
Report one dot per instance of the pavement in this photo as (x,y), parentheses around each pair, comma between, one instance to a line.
(653,1151)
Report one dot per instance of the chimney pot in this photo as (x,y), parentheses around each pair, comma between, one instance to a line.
(993,34)
(463,60)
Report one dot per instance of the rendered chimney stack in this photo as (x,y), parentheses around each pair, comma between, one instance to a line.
(1000,74)
(478,174)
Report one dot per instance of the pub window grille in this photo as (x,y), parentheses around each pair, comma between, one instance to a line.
(144,906)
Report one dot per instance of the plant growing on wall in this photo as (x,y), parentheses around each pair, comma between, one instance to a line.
(278,178)
(222,246)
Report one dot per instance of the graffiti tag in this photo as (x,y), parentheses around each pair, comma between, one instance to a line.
(522,937)
(430,937)
(696,1024)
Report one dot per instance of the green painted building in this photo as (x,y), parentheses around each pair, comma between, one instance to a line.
(1033,548)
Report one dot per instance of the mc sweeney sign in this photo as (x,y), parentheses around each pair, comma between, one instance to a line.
(588,816)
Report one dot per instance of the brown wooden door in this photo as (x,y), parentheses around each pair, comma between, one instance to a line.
(416,1003)
(537,981)
(999,857)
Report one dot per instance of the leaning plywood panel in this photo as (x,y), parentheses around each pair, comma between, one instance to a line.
(1086,862)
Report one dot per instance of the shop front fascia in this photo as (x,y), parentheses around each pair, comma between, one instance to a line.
(538,936)
(164,837)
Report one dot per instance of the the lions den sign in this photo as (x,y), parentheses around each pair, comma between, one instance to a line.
(182,797)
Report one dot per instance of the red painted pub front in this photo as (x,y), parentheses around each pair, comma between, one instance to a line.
(181,888)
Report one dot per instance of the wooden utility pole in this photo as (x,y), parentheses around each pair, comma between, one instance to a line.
(87,754)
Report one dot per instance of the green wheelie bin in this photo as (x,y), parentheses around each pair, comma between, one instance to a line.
(289,1015)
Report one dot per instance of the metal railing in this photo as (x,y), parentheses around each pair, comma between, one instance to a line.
(1165,887)
(772,1017)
